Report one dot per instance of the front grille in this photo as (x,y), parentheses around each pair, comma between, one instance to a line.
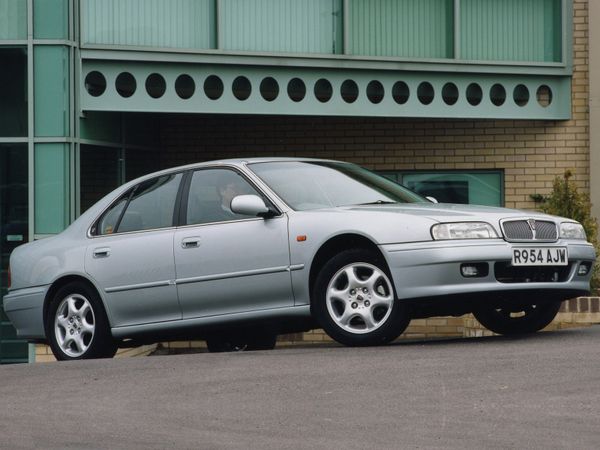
(507,273)
(520,230)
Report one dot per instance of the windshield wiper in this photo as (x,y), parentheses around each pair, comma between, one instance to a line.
(377,202)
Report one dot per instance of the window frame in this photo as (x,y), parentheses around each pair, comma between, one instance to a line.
(181,220)
(93,229)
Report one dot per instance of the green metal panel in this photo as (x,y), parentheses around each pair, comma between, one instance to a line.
(51,184)
(392,103)
(404,28)
(511,30)
(104,127)
(155,23)
(305,26)
(13,19)
(51,90)
(51,19)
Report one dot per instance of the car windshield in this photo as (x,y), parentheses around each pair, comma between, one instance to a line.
(306,185)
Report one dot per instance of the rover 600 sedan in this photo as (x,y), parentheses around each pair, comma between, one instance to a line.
(238,251)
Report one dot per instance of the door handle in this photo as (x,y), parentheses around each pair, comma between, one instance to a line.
(191,242)
(103,252)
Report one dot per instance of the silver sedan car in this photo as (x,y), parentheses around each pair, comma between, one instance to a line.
(238,251)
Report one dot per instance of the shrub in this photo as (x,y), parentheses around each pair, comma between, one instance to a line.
(565,200)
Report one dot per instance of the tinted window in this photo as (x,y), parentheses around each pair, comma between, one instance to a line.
(108,222)
(211,192)
(149,206)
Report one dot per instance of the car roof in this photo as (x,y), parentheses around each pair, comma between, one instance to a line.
(229,162)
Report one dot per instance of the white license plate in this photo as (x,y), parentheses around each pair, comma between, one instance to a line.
(540,256)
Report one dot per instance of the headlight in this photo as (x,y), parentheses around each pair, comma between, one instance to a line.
(572,230)
(463,230)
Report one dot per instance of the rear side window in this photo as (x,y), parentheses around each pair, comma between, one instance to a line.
(147,206)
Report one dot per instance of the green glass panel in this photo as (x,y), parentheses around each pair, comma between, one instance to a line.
(13,232)
(476,188)
(51,19)
(153,23)
(51,188)
(51,90)
(13,94)
(404,28)
(305,26)
(13,19)
(511,30)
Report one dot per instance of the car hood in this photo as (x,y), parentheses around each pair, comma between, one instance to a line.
(447,212)
(400,222)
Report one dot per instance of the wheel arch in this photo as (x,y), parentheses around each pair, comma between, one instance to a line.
(63,281)
(336,245)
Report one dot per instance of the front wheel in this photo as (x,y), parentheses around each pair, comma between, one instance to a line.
(77,326)
(511,320)
(355,302)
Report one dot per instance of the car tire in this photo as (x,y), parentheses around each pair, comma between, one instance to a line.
(77,326)
(355,302)
(259,341)
(513,320)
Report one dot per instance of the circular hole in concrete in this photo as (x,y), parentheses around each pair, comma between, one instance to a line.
(125,84)
(296,89)
(375,91)
(185,86)
(269,89)
(474,94)
(400,92)
(349,91)
(450,94)
(425,93)
(241,88)
(213,87)
(155,85)
(95,83)
(323,90)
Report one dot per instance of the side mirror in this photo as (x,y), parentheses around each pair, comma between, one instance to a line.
(431,199)
(249,205)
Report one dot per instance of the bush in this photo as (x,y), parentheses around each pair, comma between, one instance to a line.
(565,200)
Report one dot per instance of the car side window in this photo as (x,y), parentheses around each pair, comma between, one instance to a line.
(211,192)
(149,206)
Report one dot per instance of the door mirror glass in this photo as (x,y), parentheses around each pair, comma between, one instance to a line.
(249,205)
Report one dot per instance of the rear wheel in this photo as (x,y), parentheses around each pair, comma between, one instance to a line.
(511,320)
(77,326)
(355,302)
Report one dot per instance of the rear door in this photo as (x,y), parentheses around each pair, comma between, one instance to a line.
(131,254)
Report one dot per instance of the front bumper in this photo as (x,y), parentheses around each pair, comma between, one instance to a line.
(432,269)
(25,309)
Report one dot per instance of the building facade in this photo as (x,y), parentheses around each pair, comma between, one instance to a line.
(471,101)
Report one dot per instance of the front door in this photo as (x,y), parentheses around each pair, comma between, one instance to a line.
(226,262)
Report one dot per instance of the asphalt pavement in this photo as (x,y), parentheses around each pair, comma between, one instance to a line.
(541,391)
